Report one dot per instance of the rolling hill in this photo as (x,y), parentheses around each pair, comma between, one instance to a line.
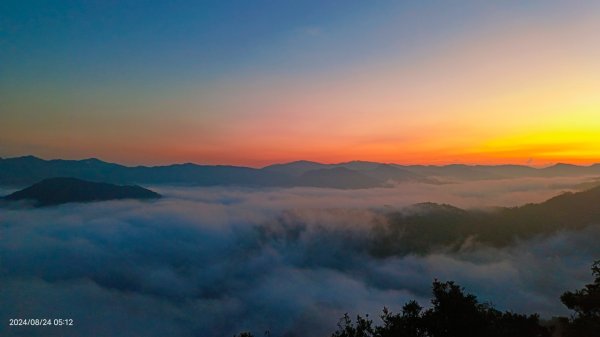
(56,191)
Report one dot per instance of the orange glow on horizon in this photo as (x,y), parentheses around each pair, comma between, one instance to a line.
(520,91)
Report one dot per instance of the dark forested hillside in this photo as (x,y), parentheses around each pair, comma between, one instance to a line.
(57,191)
(428,226)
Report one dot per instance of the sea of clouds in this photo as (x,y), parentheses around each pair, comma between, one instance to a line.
(217,261)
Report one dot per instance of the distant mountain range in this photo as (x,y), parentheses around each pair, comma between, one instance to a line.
(22,171)
(56,191)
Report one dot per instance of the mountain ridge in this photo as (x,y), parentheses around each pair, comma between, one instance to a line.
(25,170)
(424,227)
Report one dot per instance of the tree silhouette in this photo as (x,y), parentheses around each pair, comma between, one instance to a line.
(409,324)
(362,328)
(454,313)
(586,304)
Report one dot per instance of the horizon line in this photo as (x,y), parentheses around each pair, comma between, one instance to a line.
(299,161)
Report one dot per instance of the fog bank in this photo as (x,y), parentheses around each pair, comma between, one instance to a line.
(216,261)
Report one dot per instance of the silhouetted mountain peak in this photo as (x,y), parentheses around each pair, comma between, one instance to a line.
(301,162)
(359,165)
(55,191)
(434,208)
(559,165)
(28,158)
(295,168)
(92,161)
(296,163)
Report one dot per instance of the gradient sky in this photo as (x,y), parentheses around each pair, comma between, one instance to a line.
(257,82)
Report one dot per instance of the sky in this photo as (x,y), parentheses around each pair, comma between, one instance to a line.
(260,82)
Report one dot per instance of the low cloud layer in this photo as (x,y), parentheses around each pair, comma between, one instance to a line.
(485,193)
(217,261)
